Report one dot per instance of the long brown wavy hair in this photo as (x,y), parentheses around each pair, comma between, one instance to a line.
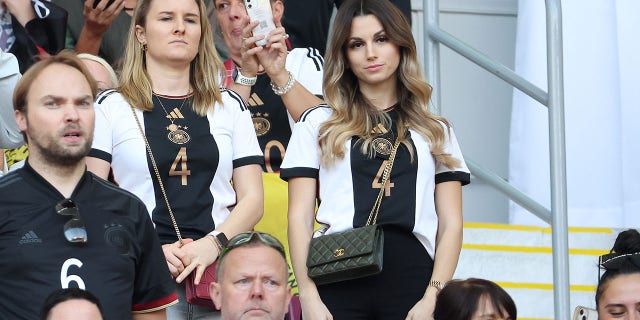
(353,114)
(135,85)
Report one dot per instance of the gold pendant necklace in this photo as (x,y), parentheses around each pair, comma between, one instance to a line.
(381,144)
(176,133)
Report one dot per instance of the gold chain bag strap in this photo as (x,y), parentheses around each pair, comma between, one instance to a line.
(196,294)
(354,253)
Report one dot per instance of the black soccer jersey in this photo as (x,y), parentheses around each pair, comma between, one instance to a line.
(121,263)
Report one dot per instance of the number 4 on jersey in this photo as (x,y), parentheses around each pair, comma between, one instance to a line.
(182,159)
(377,184)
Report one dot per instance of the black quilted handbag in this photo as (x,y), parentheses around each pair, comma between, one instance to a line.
(346,255)
(354,253)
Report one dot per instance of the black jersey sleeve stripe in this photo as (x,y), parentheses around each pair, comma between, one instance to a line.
(235,96)
(247,161)
(304,114)
(315,56)
(463,177)
(104,94)
(95,153)
(298,172)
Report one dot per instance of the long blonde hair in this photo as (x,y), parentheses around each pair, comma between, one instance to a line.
(135,85)
(353,114)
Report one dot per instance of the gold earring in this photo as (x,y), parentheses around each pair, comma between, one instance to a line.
(144,47)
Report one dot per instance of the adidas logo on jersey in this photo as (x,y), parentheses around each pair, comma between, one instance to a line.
(175,114)
(30,237)
(255,101)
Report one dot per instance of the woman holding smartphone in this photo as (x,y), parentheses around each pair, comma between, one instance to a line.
(201,144)
(278,85)
(376,96)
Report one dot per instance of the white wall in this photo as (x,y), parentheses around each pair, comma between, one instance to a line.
(474,100)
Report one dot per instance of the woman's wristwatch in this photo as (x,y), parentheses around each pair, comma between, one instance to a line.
(241,79)
(220,240)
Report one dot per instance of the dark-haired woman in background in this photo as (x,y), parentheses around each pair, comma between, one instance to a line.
(618,292)
(474,299)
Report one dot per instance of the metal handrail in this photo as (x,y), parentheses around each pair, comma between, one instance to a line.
(509,190)
(554,100)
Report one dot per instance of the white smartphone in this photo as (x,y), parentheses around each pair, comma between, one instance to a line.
(260,10)
(584,313)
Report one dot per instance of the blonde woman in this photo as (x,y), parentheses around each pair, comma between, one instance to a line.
(201,138)
(376,94)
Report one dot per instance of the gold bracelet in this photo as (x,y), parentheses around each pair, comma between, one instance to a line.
(436,284)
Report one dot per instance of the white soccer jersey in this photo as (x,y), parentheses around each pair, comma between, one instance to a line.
(196,175)
(348,187)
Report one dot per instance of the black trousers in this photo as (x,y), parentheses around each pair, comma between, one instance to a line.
(390,294)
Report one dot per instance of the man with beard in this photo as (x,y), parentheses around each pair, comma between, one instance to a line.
(63,227)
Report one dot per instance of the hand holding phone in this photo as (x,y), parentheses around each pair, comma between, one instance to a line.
(584,313)
(260,10)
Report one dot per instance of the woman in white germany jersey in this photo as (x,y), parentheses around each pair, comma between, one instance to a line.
(201,137)
(376,94)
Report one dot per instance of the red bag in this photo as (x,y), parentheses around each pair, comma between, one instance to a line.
(199,294)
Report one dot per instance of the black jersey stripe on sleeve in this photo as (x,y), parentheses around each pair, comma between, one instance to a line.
(463,177)
(95,153)
(298,172)
(235,96)
(306,112)
(104,94)
(259,160)
(315,56)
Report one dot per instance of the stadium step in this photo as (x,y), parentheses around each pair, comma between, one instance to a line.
(519,259)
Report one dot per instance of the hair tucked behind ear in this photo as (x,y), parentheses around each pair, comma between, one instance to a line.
(353,114)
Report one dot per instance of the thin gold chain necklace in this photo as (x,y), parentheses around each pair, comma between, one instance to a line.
(176,133)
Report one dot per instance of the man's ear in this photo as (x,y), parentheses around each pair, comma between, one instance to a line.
(21,120)
(278,11)
(214,292)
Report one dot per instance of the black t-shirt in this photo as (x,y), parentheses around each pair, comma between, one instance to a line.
(122,262)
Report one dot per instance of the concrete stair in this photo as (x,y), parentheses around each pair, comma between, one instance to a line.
(519,258)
